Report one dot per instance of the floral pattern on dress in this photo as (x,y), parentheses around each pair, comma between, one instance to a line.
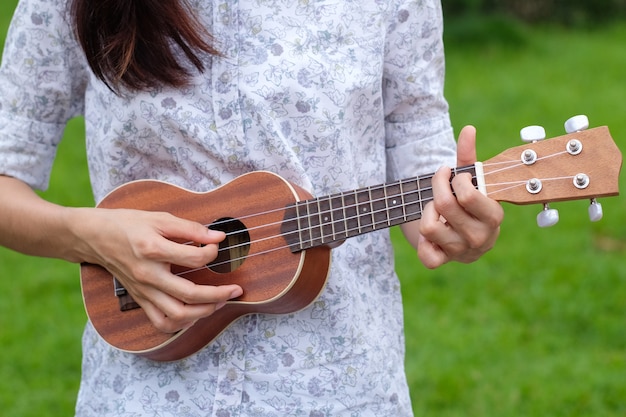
(333,96)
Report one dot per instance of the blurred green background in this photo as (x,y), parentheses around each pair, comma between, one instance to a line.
(537,327)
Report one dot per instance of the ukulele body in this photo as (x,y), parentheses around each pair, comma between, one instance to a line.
(274,279)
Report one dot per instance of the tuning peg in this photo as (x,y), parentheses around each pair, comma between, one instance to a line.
(576,123)
(547,217)
(595,211)
(532,134)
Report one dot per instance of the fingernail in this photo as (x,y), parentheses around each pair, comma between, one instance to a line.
(236,293)
(220,305)
(216,234)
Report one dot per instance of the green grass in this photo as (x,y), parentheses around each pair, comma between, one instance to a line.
(535,328)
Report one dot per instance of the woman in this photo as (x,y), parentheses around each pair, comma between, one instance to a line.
(332,96)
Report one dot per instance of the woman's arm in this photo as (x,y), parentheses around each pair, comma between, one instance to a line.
(135,246)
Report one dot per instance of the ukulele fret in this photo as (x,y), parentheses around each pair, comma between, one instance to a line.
(332,217)
(320,221)
(400,184)
(337,220)
(357,217)
(325,219)
(411,200)
(420,197)
(351,214)
(394,204)
(378,202)
(387,206)
(372,208)
(345,216)
(304,226)
(314,223)
(364,214)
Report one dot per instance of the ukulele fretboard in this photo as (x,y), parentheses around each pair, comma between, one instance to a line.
(324,220)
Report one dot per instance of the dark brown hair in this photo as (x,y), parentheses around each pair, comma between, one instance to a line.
(137,44)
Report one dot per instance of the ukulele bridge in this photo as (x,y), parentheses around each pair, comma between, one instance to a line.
(126,301)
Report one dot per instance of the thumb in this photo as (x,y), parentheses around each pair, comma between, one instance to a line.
(466,147)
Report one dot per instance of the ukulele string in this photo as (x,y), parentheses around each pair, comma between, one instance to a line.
(340,194)
(333,236)
(511,185)
(322,213)
(516,163)
(373,227)
(328,198)
(276,248)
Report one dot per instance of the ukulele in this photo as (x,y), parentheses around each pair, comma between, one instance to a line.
(279,238)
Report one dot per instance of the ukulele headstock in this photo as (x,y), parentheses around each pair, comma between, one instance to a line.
(584,164)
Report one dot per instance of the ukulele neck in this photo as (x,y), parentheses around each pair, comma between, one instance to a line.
(325,220)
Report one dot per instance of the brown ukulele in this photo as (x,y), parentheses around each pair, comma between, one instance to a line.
(279,237)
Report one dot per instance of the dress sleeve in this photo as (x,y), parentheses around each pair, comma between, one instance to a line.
(419,137)
(42,83)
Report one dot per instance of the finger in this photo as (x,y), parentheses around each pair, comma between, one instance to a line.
(189,255)
(461,229)
(160,277)
(191,293)
(184,318)
(466,147)
(471,221)
(186,243)
(148,277)
(169,314)
(430,225)
(160,320)
(436,229)
(466,193)
(430,254)
(173,227)
(431,230)
(445,202)
(200,247)
(480,207)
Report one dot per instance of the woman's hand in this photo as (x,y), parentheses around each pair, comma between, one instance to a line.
(456,227)
(137,247)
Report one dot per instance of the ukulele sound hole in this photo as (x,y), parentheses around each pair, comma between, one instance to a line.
(234,249)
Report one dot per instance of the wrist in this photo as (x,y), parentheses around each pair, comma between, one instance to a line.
(78,223)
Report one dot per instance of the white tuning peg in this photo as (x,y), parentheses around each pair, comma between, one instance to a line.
(547,217)
(595,211)
(576,123)
(532,134)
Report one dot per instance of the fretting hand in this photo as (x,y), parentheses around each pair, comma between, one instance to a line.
(459,226)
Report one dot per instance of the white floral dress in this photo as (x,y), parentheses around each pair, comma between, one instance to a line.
(332,95)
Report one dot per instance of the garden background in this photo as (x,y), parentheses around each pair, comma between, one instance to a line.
(535,328)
